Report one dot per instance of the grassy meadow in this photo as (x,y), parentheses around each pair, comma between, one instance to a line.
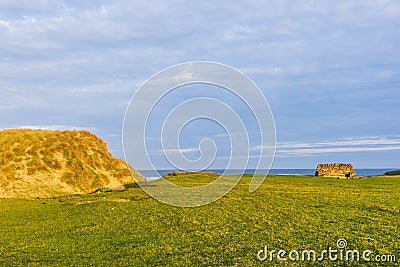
(129,228)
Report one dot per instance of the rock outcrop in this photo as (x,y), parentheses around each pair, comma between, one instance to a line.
(339,170)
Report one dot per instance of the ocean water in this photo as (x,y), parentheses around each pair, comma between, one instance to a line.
(151,174)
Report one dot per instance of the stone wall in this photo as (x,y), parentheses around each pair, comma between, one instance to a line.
(335,170)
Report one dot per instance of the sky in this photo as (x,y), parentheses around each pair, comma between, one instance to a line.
(330,70)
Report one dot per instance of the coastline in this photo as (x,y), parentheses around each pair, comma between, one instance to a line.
(154,175)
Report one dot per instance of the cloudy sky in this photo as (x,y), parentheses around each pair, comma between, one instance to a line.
(330,70)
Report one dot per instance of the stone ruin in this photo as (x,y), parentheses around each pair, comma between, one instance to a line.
(338,170)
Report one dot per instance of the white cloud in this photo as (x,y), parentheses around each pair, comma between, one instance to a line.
(349,145)
(313,151)
(177,151)
(274,71)
(349,142)
(225,135)
(5,23)
(56,127)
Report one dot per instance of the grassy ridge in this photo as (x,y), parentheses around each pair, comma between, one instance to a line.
(392,173)
(44,163)
(131,229)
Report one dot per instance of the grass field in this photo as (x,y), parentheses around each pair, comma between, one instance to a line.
(131,229)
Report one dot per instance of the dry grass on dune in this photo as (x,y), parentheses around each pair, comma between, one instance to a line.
(39,163)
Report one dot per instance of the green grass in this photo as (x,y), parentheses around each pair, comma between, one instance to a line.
(190,179)
(131,229)
(393,173)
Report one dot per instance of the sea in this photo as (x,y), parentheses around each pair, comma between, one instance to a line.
(153,175)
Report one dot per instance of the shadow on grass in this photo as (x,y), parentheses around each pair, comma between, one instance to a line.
(139,198)
(131,185)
